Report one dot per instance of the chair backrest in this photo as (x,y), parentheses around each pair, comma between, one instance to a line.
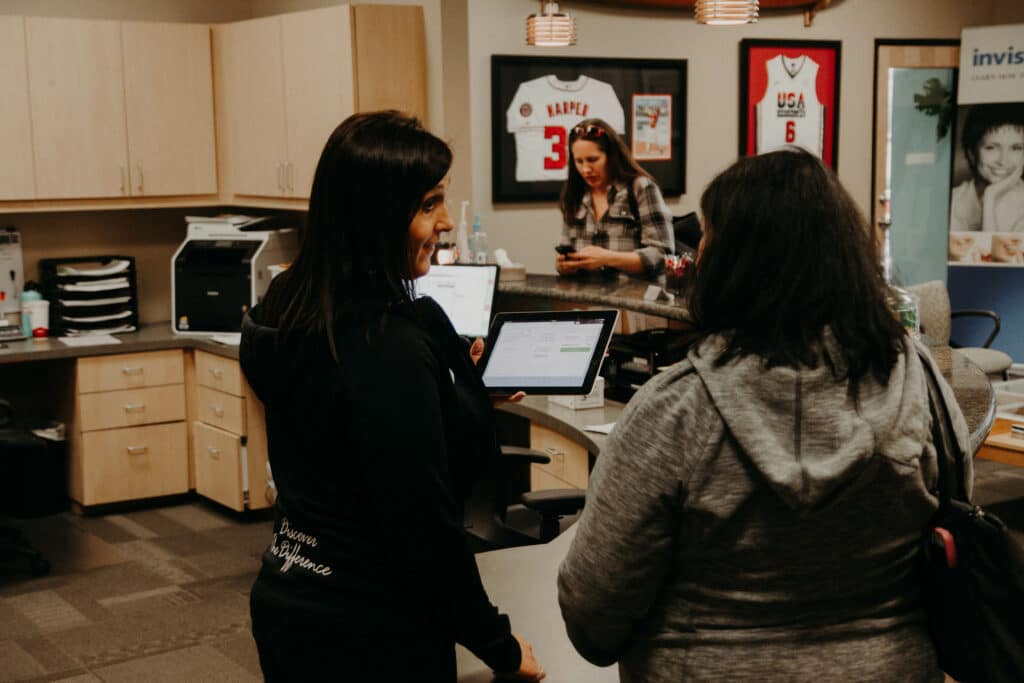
(935,309)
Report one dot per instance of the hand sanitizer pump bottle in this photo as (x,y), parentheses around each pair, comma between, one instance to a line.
(479,242)
(462,237)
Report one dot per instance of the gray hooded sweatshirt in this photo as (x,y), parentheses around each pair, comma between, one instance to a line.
(746,523)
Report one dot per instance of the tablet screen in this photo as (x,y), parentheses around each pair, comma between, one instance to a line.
(465,293)
(547,353)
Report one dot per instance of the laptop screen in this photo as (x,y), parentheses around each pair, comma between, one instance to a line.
(465,292)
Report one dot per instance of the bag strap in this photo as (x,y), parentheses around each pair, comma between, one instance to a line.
(949,455)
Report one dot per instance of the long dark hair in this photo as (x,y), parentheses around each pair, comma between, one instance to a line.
(354,255)
(983,118)
(786,254)
(621,167)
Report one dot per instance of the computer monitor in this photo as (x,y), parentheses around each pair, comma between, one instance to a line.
(465,292)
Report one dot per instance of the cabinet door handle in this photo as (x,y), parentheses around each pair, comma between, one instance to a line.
(280,176)
(214,452)
(134,407)
(139,168)
(124,180)
(291,177)
(217,410)
(131,370)
(137,450)
(217,373)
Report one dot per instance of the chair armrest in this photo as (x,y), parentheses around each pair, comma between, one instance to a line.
(524,455)
(556,502)
(980,313)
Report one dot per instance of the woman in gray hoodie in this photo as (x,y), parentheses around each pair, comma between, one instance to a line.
(757,511)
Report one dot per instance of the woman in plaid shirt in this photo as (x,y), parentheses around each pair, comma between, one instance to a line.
(612,210)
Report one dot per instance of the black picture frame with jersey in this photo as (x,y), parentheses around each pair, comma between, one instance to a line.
(789,95)
(546,352)
(542,90)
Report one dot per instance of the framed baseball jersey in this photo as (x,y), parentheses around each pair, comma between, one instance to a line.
(541,115)
(789,94)
(536,101)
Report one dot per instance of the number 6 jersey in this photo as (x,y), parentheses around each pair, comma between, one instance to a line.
(790,113)
(541,115)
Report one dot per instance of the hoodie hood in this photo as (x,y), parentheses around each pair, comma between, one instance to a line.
(802,431)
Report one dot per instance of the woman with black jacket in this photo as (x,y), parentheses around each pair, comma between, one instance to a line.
(377,423)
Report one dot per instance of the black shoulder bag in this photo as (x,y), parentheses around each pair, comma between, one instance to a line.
(973,572)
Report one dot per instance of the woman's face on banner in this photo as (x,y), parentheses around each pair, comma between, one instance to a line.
(1000,153)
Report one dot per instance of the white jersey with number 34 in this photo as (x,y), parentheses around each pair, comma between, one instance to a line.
(790,113)
(542,113)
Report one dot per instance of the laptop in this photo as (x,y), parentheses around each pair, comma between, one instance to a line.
(466,293)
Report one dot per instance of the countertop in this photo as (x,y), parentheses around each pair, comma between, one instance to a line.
(150,337)
(616,292)
(970,385)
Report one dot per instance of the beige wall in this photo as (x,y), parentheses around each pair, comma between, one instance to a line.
(497,27)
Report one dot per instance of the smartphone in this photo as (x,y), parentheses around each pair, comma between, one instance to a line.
(565,249)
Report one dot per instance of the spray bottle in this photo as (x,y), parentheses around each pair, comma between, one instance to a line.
(479,242)
(462,237)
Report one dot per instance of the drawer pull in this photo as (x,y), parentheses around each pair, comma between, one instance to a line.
(134,407)
(214,452)
(216,372)
(132,370)
(217,410)
(137,450)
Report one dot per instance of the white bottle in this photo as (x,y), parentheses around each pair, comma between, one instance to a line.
(479,242)
(462,237)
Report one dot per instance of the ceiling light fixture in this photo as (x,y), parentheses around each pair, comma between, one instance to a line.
(725,12)
(550,28)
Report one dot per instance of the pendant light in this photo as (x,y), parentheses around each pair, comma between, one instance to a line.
(550,28)
(725,12)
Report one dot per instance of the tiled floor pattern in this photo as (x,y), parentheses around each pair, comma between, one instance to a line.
(162,594)
(147,595)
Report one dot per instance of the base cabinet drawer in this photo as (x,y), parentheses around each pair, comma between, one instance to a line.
(130,371)
(220,409)
(135,462)
(218,462)
(570,462)
(217,372)
(131,407)
(542,480)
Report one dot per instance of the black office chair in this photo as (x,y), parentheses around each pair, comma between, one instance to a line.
(33,483)
(502,513)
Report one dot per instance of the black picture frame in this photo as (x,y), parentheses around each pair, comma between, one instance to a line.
(627,77)
(754,53)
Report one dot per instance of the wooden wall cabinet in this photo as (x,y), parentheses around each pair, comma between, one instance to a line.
(17,176)
(128,435)
(120,109)
(229,442)
(285,82)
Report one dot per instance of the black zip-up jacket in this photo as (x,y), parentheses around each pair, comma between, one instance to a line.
(371,456)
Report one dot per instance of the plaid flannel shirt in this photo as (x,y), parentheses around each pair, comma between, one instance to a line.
(649,234)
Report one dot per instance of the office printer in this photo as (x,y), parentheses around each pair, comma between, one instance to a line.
(223,268)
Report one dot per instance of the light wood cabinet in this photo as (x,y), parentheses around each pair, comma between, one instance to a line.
(17,175)
(228,436)
(127,431)
(569,466)
(285,82)
(120,109)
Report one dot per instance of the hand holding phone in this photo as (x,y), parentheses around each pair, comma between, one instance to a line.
(565,249)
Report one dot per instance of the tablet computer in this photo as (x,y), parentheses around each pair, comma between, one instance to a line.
(551,352)
(465,292)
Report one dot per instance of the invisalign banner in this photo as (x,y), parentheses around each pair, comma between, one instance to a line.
(986,220)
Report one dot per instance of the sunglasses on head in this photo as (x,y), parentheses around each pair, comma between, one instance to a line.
(590,132)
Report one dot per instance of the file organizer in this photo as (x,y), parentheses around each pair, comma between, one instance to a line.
(91,294)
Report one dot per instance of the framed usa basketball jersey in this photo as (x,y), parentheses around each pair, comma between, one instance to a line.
(536,102)
(789,96)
